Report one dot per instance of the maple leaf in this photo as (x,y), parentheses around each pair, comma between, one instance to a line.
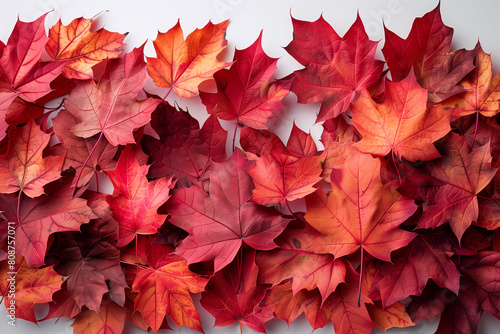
(110,107)
(294,259)
(182,65)
(56,211)
(426,52)
(449,185)
(483,271)
(22,74)
(360,211)
(245,92)
(482,90)
(478,292)
(76,149)
(82,48)
(109,320)
(232,294)
(92,262)
(62,305)
(337,137)
(23,166)
(164,289)
(280,177)
(336,69)
(343,309)
(408,274)
(489,207)
(218,222)
(32,286)
(135,201)
(280,302)
(401,123)
(183,150)
(389,317)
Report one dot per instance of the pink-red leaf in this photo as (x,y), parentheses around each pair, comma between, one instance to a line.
(221,218)
(111,105)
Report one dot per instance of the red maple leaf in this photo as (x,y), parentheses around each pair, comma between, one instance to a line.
(283,175)
(336,69)
(56,211)
(183,150)
(222,217)
(135,201)
(426,52)
(413,266)
(246,92)
(92,262)
(22,73)
(233,293)
(77,149)
(478,293)
(449,185)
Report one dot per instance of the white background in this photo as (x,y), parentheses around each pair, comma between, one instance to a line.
(471,20)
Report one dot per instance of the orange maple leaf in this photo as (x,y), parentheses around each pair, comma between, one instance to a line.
(82,48)
(23,166)
(32,286)
(401,123)
(164,289)
(110,320)
(359,212)
(182,65)
(482,93)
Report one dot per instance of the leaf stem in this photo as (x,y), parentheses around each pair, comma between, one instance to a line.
(85,164)
(234,135)
(136,254)
(360,276)
(240,267)
(475,129)
(97,182)
(395,166)
(241,328)
(168,92)
(488,198)
(19,206)
(51,109)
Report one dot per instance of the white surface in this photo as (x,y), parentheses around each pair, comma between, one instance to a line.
(142,19)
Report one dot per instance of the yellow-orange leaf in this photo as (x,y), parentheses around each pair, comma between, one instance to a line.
(111,320)
(31,286)
(166,290)
(401,123)
(392,316)
(482,90)
(183,65)
(81,47)
(23,166)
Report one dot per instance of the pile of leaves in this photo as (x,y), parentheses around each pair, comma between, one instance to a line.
(395,220)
